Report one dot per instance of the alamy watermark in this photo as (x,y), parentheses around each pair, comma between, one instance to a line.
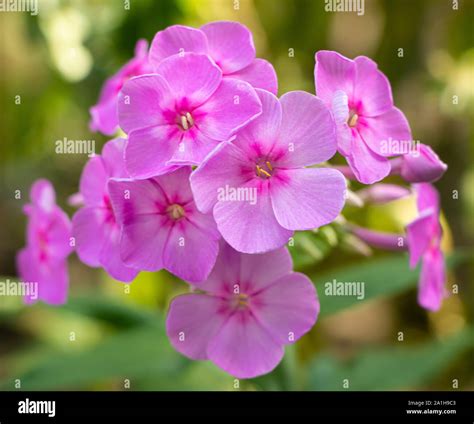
(239,194)
(357,6)
(400,147)
(345,288)
(19,288)
(30,6)
(75,147)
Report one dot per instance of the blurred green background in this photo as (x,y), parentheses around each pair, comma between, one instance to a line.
(110,336)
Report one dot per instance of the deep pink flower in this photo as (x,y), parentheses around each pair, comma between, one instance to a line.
(266,165)
(229,44)
(369,127)
(250,307)
(104,116)
(162,227)
(177,117)
(424,240)
(94,226)
(43,260)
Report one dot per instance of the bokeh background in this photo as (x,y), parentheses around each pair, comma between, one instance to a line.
(110,336)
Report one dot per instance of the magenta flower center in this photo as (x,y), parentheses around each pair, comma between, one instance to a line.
(175,211)
(353,118)
(185,121)
(241,301)
(264,169)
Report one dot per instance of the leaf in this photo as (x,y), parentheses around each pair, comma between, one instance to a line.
(384,276)
(390,368)
(144,351)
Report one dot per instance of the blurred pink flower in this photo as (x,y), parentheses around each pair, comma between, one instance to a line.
(249,308)
(43,260)
(94,226)
(229,44)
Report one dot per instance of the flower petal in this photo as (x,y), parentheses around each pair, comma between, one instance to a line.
(288,308)
(192,78)
(387,134)
(259,74)
(234,104)
(431,289)
(93,182)
(243,348)
(193,319)
(230,45)
(422,165)
(308,198)
(419,237)
(368,167)
(307,132)
(176,39)
(88,230)
(372,91)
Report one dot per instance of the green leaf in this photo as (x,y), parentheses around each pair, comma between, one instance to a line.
(144,351)
(390,368)
(384,276)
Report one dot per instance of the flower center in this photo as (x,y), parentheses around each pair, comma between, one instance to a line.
(185,121)
(353,118)
(264,169)
(175,212)
(241,300)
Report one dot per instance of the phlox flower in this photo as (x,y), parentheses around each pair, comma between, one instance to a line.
(267,159)
(369,127)
(229,44)
(244,313)
(95,227)
(162,227)
(180,114)
(44,259)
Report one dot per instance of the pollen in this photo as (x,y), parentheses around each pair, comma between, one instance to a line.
(175,212)
(185,121)
(264,169)
(353,118)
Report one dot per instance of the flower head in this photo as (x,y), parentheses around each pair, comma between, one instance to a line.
(244,313)
(266,163)
(95,227)
(422,166)
(424,240)
(369,127)
(178,115)
(229,44)
(43,260)
(104,116)
(162,227)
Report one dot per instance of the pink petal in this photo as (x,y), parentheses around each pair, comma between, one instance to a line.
(427,197)
(259,74)
(175,185)
(422,165)
(42,195)
(230,108)
(243,348)
(87,224)
(176,39)
(220,169)
(230,45)
(143,102)
(251,228)
(113,157)
(387,134)
(93,181)
(333,72)
(259,136)
(372,91)
(307,132)
(288,308)
(149,150)
(432,279)
(340,110)
(419,237)
(368,167)
(104,116)
(192,78)
(308,198)
(193,319)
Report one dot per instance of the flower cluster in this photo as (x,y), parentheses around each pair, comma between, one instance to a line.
(214,176)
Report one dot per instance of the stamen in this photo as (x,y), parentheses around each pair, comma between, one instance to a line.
(184,122)
(242,300)
(269,165)
(189,119)
(353,118)
(175,211)
(261,170)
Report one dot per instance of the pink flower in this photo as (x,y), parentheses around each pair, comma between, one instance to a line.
(94,226)
(162,227)
(420,166)
(424,240)
(179,116)
(43,260)
(229,44)
(104,116)
(271,193)
(249,308)
(369,127)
